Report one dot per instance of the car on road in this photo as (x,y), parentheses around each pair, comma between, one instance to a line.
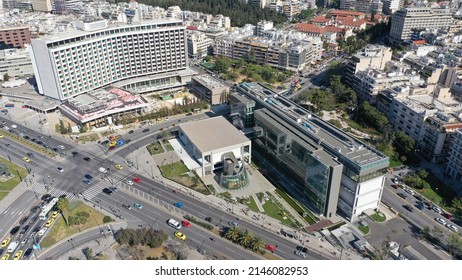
(113,189)
(129,183)
(437,210)
(130,132)
(301,251)
(102,170)
(18,255)
(128,141)
(447,215)
(6,242)
(74,153)
(233,224)
(127,206)
(180,235)
(5,257)
(402,195)
(35,209)
(107,191)
(119,167)
(452,227)
(178,204)
(60,169)
(40,136)
(86,159)
(395,186)
(55,214)
(49,222)
(14,230)
(14,126)
(145,130)
(30,155)
(24,241)
(27,253)
(26,159)
(137,180)
(61,147)
(138,206)
(42,231)
(186,224)
(440,221)
(407,207)
(409,191)
(174,223)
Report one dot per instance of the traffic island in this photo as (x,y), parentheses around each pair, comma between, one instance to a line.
(13,175)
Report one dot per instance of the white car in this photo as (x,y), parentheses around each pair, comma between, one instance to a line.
(441,221)
(60,169)
(437,210)
(61,147)
(42,231)
(14,126)
(452,227)
(129,183)
(102,170)
(24,241)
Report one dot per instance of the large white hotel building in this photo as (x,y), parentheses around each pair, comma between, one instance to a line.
(141,57)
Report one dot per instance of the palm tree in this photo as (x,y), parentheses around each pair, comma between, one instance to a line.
(257,244)
(245,240)
(63,205)
(233,234)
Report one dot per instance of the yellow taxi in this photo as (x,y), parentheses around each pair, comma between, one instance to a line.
(18,255)
(1,135)
(112,144)
(180,235)
(6,242)
(5,257)
(55,214)
(119,167)
(26,159)
(49,222)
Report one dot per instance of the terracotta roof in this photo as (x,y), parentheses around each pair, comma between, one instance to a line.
(308,27)
(333,29)
(190,27)
(351,21)
(418,42)
(341,12)
(320,19)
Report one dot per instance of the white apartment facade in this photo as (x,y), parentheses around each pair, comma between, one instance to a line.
(406,20)
(15,63)
(198,44)
(83,61)
(454,161)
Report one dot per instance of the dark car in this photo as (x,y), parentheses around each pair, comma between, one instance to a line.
(23,220)
(407,207)
(418,197)
(402,195)
(74,153)
(130,132)
(128,141)
(107,191)
(145,130)
(35,209)
(14,230)
(105,142)
(33,220)
(86,159)
(395,186)
(88,176)
(27,253)
(26,137)
(33,140)
(31,155)
(46,197)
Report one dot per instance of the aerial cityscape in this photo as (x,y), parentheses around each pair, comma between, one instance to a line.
(231,130)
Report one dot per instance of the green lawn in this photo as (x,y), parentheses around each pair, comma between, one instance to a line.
(168,146)
(175,169)
(60,231)
(176,172)
(155,148)
(378,217)
(364,229)
(273,210)
(395,162)
(7,186)
(252,205)
(89,137)
(296,206)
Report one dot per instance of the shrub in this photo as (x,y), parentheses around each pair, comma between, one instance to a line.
(107,219)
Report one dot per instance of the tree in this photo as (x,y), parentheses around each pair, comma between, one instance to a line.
(257,244)
(69,128)
(233,234)
(6,77)
(62,128)
(404,144)
(455,244)
(306,14)
(63,205)
(88,253)
(221,65)
(245,240)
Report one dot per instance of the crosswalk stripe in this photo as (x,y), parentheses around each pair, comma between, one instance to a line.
(39,188)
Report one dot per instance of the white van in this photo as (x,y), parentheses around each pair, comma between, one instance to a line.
(173,223)
(13,246)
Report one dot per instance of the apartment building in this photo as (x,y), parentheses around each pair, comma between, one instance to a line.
(15,63)
(372,57)
(141,56)
(199,45)
(15,36)
(42,5)
(454,163)
(292,55)
(334,171)
(25,5)
(391,6)
(405,21)
(368,83)
(210,89)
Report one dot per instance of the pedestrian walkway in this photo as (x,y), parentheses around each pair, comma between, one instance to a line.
(290,209)
(40,189)
(257,202)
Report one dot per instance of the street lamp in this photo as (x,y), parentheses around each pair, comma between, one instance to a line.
(70,240)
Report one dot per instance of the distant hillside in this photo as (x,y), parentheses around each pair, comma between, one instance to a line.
(239,12)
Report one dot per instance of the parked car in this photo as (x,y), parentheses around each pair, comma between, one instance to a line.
(178,204)
(402,195)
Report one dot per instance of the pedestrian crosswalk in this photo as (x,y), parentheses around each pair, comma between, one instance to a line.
(95,189)
(39,189)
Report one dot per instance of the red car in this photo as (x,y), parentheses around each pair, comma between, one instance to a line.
(138,180)
(185,224)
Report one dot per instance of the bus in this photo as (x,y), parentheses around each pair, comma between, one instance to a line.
(47,208)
